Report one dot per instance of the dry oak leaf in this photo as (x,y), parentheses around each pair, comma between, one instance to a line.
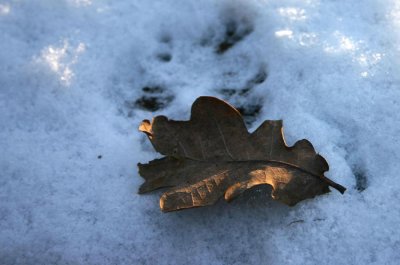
(213,155)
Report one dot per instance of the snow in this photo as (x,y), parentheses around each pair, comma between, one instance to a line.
(72,70)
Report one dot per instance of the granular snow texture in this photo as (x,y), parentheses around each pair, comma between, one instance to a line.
(78,76)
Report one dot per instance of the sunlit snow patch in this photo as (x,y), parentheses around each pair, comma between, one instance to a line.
(293,13)
(4,9)
(284,33)
(344,43)
(61,59)
(81,2)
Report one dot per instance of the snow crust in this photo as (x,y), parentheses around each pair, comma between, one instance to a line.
(72,77)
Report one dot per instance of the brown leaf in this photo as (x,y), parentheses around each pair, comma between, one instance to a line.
(213,155)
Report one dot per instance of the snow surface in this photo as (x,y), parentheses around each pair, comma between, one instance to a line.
(72,70)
